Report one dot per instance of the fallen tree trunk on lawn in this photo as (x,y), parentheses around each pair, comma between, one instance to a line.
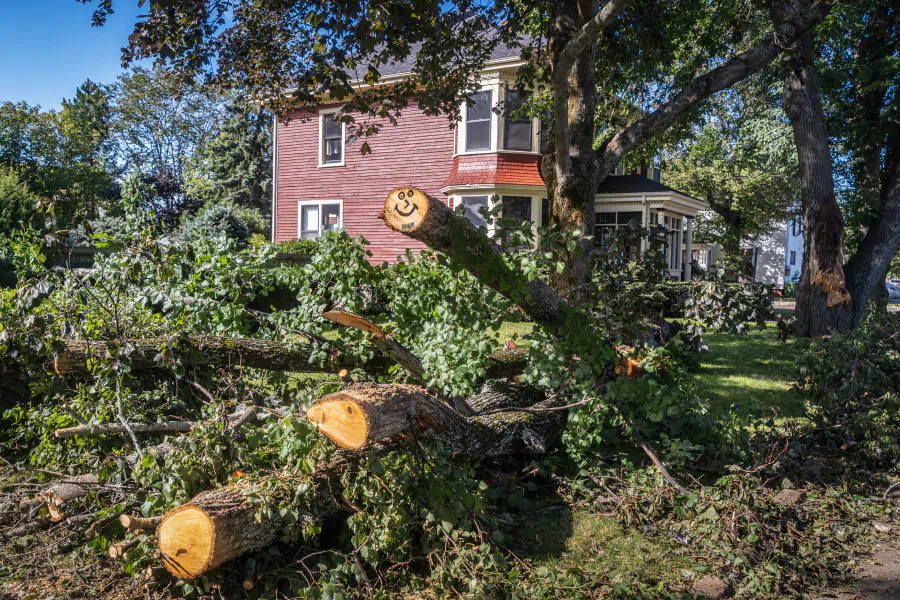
(222,524)
(415,214)
(203,350)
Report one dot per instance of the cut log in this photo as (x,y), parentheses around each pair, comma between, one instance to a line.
(504,395)
(217,526)
(367,413)
(415,214)
(133,523)
(205,350)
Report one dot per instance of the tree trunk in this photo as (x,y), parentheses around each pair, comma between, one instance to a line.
(867,270)
(221,524)
(217,526)
(203,350)
(414,213)
(569,166)
(823,301)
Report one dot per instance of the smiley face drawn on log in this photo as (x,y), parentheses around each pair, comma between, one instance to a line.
(405,197)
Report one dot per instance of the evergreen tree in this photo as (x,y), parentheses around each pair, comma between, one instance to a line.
(240,158)
(86,119)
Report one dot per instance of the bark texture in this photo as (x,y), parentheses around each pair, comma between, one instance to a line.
(435,224)
(204,350)
(216,526)
(396,412)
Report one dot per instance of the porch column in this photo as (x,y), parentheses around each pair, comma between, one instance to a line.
(688,248)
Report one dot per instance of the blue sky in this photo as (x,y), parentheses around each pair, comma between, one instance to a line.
(49,48)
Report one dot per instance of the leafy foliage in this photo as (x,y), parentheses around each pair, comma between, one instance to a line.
(728,307)
(18,206)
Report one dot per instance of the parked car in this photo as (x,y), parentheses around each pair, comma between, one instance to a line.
(893,292)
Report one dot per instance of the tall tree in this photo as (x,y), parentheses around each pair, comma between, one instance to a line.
(160,123)
(860,48)
(741,160)
(240,158)
(314,47)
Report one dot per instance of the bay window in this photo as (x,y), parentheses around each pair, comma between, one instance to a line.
(473,206)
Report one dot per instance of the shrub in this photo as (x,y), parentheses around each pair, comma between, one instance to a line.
(851,380)
(298,246)
(217,221)
(18,206)
(727,307)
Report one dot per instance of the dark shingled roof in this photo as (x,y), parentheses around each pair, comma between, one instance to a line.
(635,184)
(406,65)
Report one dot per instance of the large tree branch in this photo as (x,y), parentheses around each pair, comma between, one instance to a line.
(583,38)
(703,86)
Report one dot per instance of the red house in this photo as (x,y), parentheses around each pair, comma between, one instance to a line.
(321,182)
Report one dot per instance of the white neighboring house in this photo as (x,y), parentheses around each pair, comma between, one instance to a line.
(775,259)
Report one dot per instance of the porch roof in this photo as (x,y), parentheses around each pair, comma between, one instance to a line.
(617,185)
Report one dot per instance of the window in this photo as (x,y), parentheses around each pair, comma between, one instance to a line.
(516,126)
(517,209)
(797,226)
(545,212)
(628,242)
(793,257)
(473,206)
(332,146)
(478,122)
(673,241)
(318,217)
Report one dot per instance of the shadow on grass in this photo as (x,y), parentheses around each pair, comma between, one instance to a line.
(752,372)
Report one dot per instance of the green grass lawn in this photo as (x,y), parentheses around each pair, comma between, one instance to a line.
(753,372)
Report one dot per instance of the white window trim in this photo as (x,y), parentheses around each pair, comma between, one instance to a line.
(496,198)
(322,164)
(495,93)
(302,203)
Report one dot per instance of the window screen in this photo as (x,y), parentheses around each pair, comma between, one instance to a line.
(478,122)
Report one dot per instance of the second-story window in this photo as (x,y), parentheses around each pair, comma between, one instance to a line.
(516,126)
(332,141)
(478,122)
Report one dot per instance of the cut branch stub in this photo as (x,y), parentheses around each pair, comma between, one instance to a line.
(433,223)
(365,413)
(406,208)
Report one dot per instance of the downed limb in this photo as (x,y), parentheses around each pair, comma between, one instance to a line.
(119,549)
(503,363)
(415,214)
(67,490)
(232,421)
(202,350)
(167,427)
(222,524)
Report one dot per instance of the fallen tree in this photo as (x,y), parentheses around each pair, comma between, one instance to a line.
(151,353)
(222,524)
